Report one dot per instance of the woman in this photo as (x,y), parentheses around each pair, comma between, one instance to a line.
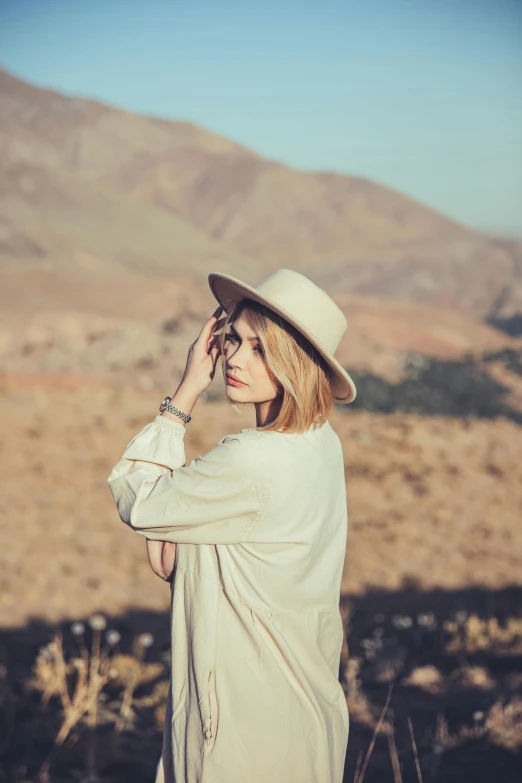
(262,522)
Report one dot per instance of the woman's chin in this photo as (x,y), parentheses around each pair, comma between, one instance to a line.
(234,391)
(236,394)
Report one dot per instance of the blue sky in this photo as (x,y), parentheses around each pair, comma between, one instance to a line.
(418,95)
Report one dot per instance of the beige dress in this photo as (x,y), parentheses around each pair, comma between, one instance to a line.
(261,522)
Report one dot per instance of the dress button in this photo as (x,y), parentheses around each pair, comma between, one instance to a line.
(208,733)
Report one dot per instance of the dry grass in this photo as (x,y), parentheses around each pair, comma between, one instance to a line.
(476,634)
(93,697)
(78,680)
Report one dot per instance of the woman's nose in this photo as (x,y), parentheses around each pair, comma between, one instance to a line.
(232,357)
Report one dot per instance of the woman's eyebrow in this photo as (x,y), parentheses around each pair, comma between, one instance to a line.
(252,339)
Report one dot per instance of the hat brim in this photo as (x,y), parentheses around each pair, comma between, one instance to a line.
(228,290)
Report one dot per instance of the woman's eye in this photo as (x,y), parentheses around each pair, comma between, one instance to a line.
(234,339)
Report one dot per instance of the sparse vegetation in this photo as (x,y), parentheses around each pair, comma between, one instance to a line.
(511,325)
(432,387)
(91,706)
(91,701)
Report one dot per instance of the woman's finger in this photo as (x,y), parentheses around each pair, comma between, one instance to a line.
(209,325)
(215,353)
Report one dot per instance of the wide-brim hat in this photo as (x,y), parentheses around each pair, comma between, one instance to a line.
(304,305)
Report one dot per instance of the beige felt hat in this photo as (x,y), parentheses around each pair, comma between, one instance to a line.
(304,305)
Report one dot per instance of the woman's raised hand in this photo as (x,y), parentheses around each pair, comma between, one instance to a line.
(202,357)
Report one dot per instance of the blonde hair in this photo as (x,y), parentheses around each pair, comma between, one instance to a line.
(300,374)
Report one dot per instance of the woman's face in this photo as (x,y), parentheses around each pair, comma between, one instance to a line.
(244,359)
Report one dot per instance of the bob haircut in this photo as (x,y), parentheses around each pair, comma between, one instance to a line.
(299,373)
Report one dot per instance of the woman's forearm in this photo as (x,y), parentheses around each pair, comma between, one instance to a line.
(162,556)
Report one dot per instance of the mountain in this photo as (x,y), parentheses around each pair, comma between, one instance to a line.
(50,218)
(97,186)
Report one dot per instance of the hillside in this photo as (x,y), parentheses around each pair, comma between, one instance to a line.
(93,185)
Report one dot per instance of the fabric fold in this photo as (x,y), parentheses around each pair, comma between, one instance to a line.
(217,499)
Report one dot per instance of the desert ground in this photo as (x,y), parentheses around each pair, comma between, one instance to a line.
(432,503)
(431,587)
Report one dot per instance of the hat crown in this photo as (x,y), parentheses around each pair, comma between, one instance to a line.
(306,303)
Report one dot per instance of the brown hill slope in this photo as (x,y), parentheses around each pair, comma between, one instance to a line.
(348,233)
(51,219)
(86,136)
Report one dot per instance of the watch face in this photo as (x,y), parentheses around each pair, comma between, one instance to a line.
(162,406)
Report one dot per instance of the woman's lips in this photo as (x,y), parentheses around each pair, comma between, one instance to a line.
(233,382)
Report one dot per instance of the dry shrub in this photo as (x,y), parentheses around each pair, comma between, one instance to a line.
(501,725)
(444,740)
(428,678)
(476,634)
(504,723)
(359,707)
(77,682)
(83,684)
(472,677)
(160,694)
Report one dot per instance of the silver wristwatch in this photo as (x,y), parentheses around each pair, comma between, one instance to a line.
(166,406)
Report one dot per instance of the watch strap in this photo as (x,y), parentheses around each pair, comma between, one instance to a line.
(167,406)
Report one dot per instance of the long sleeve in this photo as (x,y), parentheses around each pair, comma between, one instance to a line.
(216,499)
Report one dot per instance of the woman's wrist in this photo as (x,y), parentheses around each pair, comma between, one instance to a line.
(183,398)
